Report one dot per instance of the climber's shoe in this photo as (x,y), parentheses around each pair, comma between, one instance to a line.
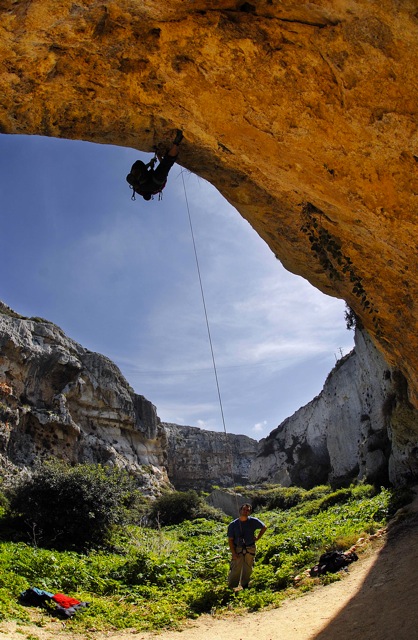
(179,137)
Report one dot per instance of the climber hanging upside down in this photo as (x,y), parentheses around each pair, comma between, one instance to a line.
(146,181)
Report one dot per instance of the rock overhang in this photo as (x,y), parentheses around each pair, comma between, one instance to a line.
(303,115)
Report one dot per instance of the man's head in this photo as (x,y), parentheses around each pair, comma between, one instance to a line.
(147,196)
(245,509)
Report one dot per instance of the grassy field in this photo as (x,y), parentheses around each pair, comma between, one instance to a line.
(150,578)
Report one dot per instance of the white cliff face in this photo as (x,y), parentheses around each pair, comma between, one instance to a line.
(60,400)
(199,459)
(345,433)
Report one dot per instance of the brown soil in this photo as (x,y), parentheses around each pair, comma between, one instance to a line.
(375,600)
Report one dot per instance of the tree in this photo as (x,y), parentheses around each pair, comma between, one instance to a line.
(72,507)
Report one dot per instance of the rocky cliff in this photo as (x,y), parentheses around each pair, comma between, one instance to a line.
(303,114)
(198,459)
(354,430)
(60,400)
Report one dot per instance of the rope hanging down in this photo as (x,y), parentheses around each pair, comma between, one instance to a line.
(204,303)
(207,324)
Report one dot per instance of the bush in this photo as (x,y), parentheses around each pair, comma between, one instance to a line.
(72,507)
(403,496)
(279,498)
(197,528)
(173,508)
(317,492)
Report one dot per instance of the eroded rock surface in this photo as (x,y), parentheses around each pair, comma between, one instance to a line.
(59,400)
(199,459)
(350,431)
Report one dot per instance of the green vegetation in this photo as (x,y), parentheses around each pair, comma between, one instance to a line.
(73,507)
(155,576)
(177,506)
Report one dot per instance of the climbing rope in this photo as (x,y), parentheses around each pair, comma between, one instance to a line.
(204,303)
(208,330)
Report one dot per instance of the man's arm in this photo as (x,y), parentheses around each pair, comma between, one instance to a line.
(262,532)
(232,548)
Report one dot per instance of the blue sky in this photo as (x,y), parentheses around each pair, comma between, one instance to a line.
(120,278)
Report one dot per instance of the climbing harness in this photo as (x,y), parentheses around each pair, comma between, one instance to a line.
(134,191)
(243,549)
(136,178)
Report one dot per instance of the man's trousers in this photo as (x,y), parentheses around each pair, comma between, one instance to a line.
(241,568)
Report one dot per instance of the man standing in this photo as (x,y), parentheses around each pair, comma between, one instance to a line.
(242,539)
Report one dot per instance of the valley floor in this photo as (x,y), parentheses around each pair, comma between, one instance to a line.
(376,600)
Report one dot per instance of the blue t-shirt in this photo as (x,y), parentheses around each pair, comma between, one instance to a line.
(243,531)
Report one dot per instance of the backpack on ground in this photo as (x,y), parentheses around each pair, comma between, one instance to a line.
(57,604)
(333,561)
(35,597)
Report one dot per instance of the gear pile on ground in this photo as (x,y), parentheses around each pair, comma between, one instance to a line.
(57,604)
(332,562)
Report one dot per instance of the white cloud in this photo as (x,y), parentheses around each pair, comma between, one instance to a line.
(260,426)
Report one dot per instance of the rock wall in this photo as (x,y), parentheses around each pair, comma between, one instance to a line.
(303,115)
(346,433)
(227,501)
(198,459)
(59,400)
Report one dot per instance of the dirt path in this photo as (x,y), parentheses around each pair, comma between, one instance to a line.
(376,600)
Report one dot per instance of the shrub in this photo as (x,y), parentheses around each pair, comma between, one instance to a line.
(206,511)
(173,508)
(403,496)
(317,492)
(72,507)
(279,498)
(197,528)
(337,497)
